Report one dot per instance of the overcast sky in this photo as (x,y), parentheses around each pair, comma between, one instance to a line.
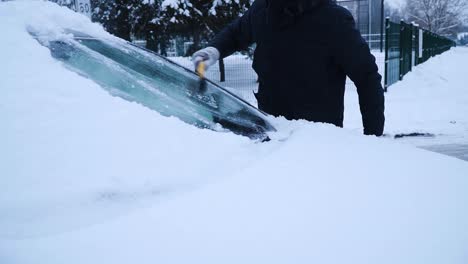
(396,3)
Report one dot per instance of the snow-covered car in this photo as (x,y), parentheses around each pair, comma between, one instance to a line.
(89,176)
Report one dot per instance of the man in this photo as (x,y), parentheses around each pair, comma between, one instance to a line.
(305,49)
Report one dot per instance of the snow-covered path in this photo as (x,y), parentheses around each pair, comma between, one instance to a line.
(91,178)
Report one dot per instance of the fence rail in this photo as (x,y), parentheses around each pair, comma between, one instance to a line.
(407,45)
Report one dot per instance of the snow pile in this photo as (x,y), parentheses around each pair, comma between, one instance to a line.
(88,177)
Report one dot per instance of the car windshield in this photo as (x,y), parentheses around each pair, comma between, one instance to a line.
(142,76)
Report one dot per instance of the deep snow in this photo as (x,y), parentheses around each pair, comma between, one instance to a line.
(91,178)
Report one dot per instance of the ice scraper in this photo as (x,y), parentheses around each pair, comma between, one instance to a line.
(200,70)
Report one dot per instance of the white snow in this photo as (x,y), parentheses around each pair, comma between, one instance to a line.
(462,35)
(175,4)
(90,178)
(172,3)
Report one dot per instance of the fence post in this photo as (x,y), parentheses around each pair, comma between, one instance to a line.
(434,45)
(381,25)
(416,46)
(222,73)
(402,40)
(369,21)
(387,26)
(411,45)
(424,45)
(419,47)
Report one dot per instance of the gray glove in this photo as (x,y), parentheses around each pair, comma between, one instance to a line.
(210,55)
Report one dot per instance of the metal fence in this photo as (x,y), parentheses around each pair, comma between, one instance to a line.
(407,45)
(406,48)
(392,53)
(368,15)
(433,45)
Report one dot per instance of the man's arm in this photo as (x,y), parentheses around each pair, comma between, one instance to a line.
(353,54)
(235,36)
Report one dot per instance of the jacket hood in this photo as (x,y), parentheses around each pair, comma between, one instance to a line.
(282,13)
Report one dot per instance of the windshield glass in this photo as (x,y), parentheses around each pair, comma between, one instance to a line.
(138,75)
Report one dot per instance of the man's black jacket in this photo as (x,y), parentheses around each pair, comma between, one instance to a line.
(305,49)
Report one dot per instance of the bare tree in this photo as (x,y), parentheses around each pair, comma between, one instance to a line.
(439,16)
(394,13)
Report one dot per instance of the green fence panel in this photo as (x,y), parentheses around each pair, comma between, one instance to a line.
(402,46)
(406,48)
(392,53)
(415,45)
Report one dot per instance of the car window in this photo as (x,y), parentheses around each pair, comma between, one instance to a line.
(139,75)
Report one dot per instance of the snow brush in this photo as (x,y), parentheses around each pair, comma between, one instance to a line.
(200,70)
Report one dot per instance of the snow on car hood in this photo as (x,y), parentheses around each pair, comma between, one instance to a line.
(87,176)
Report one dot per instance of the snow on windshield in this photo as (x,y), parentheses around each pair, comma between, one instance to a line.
(140,76)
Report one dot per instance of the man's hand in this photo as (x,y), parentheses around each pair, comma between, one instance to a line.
(209,55)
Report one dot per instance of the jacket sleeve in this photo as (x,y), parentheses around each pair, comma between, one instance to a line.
(353,55)
(235,36)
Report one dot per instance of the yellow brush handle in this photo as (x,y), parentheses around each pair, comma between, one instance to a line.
(201,67)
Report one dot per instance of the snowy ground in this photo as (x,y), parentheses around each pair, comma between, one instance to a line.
(91,178)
